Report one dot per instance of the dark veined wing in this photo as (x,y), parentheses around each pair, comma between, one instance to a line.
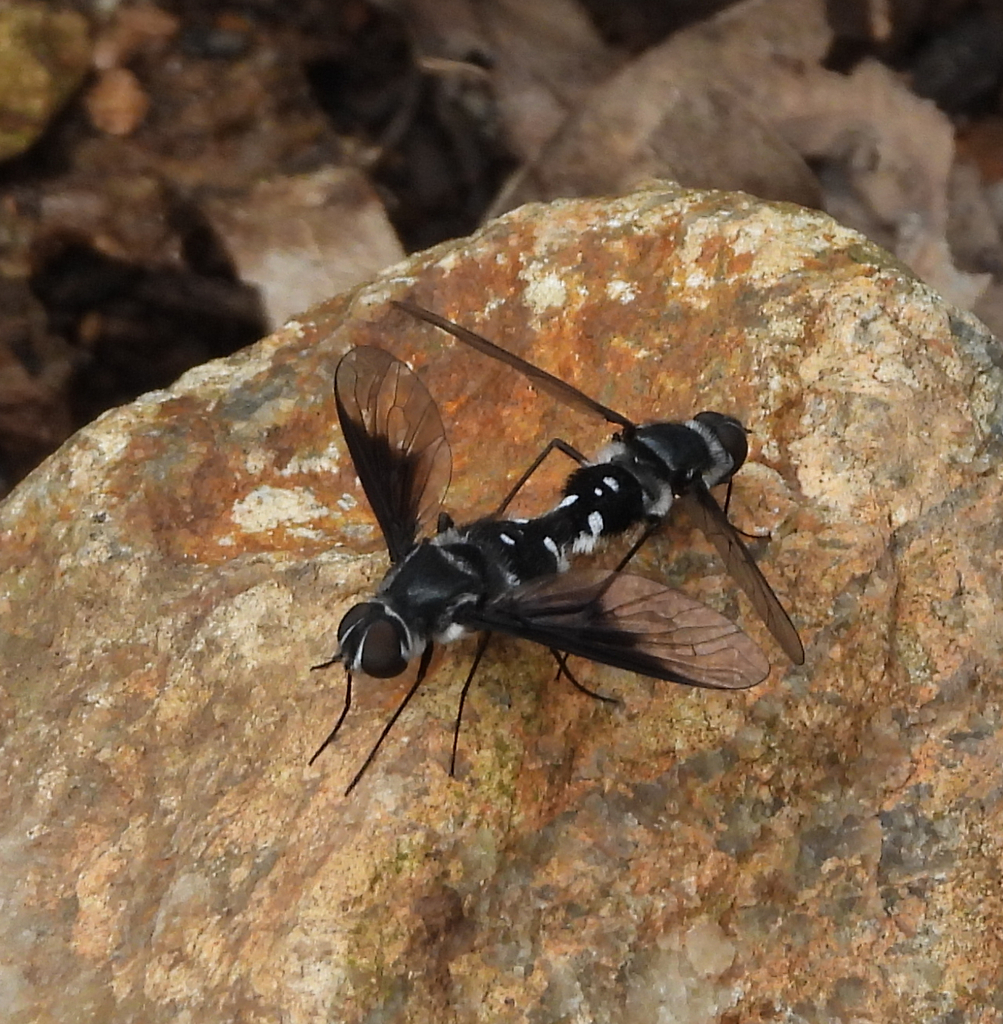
(708,515)
(539,378)
(628,622)
(397,443)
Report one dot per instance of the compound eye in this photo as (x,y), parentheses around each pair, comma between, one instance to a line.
(353,617)
(732,435)
(381,650)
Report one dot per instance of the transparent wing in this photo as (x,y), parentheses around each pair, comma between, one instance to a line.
(628,622)
(397,443)
(538,378)
(708,515)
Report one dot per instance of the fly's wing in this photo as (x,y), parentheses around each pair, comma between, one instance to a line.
(397,443)
(708,515)
(628,622)
(537,377)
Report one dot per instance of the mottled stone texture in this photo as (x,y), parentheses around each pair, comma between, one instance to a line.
(825,847)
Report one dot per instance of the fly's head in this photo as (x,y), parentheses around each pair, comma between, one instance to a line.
(733,437)
(373,640)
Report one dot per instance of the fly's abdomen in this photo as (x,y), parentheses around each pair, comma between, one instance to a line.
(599,501)
(517,550)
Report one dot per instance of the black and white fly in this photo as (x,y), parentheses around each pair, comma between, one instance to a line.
(672,463)
(502,575)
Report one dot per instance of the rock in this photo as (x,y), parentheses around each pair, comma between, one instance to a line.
(44,56)
(823,846)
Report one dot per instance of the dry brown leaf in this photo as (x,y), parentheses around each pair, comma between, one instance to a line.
(989,309)
(894,150)
(972,229)
(545,56)
(668,114)
(35,371)
(302,239)
(144,27)
(739,102)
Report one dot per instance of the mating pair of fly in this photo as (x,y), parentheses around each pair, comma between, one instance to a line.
(513,576)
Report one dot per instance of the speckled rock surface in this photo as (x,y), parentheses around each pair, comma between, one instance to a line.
(825,847)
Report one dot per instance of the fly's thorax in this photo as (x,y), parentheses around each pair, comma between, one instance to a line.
(416,602)
(653,475)
(432,577)
(710,447)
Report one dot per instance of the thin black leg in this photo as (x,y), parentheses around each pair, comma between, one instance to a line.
(557,443)
(482,646)
(727,505)
(563,670)
(341,717)
(426,658)
(649,529)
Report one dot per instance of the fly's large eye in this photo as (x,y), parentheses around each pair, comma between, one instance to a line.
(381,650)
(353,617)
(732,435)
(371,641)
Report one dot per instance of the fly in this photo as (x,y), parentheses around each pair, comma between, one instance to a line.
(675,463)
(508,576)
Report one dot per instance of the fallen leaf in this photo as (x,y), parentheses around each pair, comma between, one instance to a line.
(305,238)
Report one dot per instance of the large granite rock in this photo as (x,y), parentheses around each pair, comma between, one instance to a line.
(825,847)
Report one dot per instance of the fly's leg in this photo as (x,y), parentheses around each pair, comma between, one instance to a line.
(341,718)
(482,646)
(445,523)
(426,658)
(563,670)
(727,505)
(557,443)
